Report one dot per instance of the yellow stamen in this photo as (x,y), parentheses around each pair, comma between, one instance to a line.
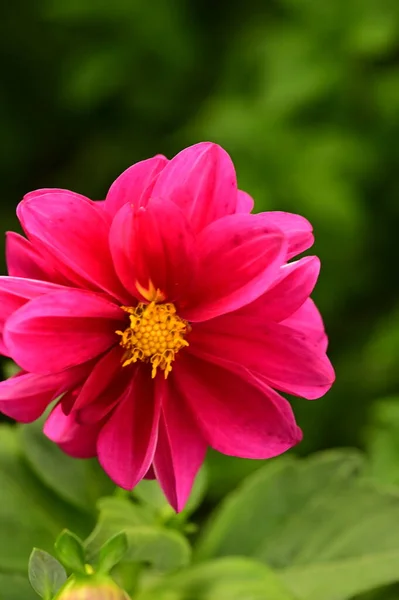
(155,334)
(150,293)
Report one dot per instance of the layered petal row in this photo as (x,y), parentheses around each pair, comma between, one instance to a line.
(161,321)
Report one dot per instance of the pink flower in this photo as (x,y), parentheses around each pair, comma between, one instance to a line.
(166,317)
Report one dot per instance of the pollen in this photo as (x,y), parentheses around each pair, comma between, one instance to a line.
(155,335)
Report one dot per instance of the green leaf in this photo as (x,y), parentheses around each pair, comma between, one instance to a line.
(163,548)
(46,574)
(229,578)
(78,482)
(116,514)
(70,551)
(331,533)
(231,529)
(16,587)
(149,493)
(342,579)
(225,473)
(112,552)
(29,513)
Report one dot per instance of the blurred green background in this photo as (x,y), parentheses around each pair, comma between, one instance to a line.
(304,95)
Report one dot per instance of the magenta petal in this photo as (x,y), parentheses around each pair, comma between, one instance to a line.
(240,256)
(103,388)
(181,447)
(135,184)
(14,293)
(245,203)
(62,329)
(238,415)
(26,396)
(74,439)
(154,247)
(3,349)
(296,364)
(122,239)
(52,191)
(74,231)
(307,320)
(127,442)
(23,260)
(201,180)
(297,229)
(285,358)
(294,285)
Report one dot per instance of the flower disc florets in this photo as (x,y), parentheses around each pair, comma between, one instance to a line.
(155,334)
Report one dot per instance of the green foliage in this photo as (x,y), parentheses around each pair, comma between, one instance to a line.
(30,514)
(79,483)
(112,552)
(150,498)
(321,527)
(329,533)
(46,574)
(227,578)
(70,551)
(147,540)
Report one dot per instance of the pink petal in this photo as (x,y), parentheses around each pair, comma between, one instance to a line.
(201,180)
(240,256)
(62,329)
(3,349)
(74,439)
(44,191)
(121,242)
(25,397)
(127,442)
(292,288)
(181,447)
(135,184)
(238,414)
(285,358)
(154,246)
(74,231)
(103,388)
(245,203)
(23,260)
(297,229)
(307,319)
(297,365)
(14,293)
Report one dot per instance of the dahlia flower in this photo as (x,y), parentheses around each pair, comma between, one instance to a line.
(163,320)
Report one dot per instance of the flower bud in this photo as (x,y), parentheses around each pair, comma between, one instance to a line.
(91,589)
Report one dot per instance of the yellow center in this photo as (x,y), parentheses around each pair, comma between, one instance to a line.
(155,334)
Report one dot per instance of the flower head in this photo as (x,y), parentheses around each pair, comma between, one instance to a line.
(95,589)
(165,319)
